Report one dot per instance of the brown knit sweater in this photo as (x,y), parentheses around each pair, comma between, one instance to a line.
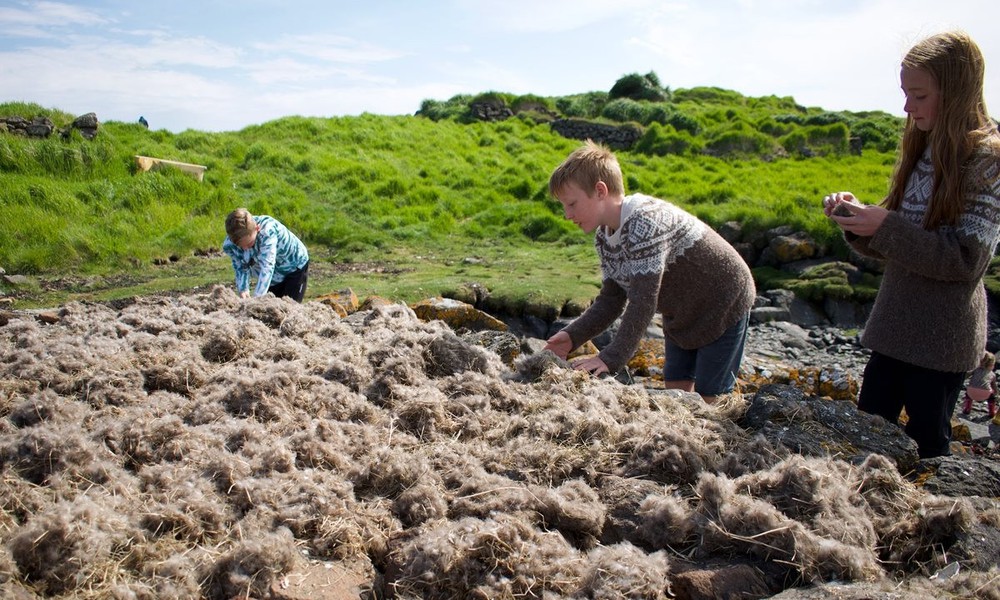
(930,310)
(664,259)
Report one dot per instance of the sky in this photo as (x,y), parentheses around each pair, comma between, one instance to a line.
(222,65)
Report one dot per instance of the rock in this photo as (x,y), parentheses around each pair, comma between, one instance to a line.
(457,315)
(40,127)
(343,301)
(957,476)
(768,314)
(835,428)
(731,231)
(794,247)
(16,280)
(87,125)
(493,109)
(616,137)
(470,293)
(979,547)
(736,581)
(374,302)
(48,317)
(504,344)
(845,313)
(329,580)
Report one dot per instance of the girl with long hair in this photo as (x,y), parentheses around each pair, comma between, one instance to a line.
(936,231)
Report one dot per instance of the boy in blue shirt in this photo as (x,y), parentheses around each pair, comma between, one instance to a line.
(261,246)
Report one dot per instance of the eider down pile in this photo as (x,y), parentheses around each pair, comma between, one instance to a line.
(205,446)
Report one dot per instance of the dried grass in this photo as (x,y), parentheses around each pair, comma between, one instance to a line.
(202,445)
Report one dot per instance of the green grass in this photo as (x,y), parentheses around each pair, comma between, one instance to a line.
(417,196)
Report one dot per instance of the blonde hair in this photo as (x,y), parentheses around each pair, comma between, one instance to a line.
(240,224)
(585,166)
(957,66)
(988,360)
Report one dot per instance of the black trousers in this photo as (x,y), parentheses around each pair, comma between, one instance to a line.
(293,285)
(929,397)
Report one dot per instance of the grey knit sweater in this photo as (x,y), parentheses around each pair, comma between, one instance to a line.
(930,310)
(664,259)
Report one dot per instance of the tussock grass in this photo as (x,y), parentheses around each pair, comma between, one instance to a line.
(439,203)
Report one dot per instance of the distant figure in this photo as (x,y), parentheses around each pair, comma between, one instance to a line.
(263,247)
(143,122)
(982,386)
(936,230)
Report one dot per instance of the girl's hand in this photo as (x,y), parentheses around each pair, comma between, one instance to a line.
(852,216)
(832,202)
(560,344)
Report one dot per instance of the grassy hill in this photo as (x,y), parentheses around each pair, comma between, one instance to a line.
(411,206)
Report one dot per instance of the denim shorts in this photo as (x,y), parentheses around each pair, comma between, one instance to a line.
(712,367)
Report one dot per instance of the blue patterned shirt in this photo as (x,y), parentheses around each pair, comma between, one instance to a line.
(275,253)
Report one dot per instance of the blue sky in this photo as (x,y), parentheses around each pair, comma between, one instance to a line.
(221,65)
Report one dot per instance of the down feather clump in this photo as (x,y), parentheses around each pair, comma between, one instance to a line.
(208,446)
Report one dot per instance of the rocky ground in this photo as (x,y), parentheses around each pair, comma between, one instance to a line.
(788,343)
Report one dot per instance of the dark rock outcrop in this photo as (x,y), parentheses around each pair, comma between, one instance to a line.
(43,127)
(814,427)
(616,137)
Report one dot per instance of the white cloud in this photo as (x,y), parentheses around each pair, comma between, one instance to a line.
(330,48)
(552,16)
(35,16)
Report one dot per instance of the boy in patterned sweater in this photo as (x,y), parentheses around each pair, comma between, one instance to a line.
(654,257)
(263,247)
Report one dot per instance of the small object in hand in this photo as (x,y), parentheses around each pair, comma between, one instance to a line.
(842,211)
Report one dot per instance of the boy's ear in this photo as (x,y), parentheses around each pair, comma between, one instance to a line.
(601,189)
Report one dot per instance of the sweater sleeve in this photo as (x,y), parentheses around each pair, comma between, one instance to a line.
(599,315)
(641,307)
(266,258)
(242,275)
(862,245)
(959,253)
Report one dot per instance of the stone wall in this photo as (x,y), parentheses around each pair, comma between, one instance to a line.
(43,127)
(617,137)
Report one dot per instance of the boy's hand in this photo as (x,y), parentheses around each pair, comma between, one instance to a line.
(245,294)
(560,344)
(592,364)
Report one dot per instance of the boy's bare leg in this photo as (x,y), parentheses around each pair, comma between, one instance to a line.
(687,385)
